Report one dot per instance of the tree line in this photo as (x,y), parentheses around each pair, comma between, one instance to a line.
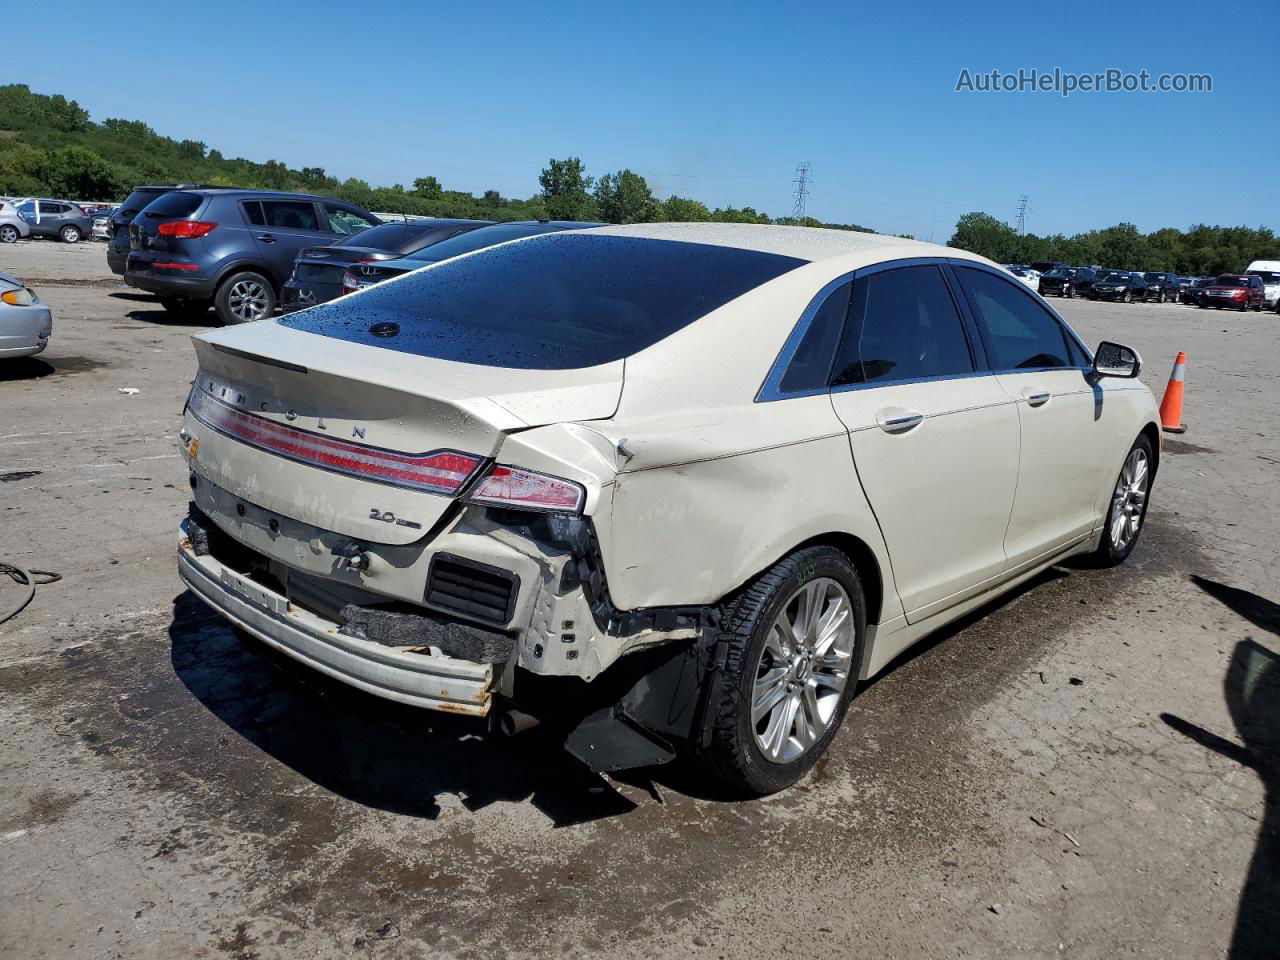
(1201,250)
(49,146)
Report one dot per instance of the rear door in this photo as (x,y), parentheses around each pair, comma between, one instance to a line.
(934,437)
(1066,428)
(281,228)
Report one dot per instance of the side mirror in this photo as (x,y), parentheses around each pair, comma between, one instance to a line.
(1116,360)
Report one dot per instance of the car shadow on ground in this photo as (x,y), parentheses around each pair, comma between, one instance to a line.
(162,317)
(371,751)
(1252,690)
(24,368)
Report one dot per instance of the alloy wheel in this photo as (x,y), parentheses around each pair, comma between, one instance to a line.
(1129,501)
(803,670)
(247,299)
(8,234)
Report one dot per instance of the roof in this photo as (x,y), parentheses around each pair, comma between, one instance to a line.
(803,243)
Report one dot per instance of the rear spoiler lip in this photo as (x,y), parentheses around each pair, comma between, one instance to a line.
(258,358)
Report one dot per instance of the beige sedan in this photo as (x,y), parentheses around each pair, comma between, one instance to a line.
(673,488)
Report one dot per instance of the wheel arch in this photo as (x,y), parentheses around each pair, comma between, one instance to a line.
(1152,433)
(240,266)
(863,559)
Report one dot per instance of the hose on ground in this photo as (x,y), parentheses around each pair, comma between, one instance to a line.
(27,578)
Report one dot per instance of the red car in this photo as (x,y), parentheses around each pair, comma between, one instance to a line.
(1240,290)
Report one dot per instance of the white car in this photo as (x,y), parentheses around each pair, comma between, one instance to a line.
(1028,276)
(25,322)
(659,483)
(1269,270)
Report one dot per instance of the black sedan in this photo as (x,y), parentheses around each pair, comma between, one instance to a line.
(1119,285)
(1161,286)
(1067,282)
(1193,293)
(318,271)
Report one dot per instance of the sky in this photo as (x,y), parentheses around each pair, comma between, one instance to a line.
(715,101)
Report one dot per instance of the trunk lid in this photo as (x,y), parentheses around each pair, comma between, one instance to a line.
(305,392)
(328,264)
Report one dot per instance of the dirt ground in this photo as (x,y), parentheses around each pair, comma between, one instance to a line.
(1080,770)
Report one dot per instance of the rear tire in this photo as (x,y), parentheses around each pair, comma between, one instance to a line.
(810,675)
(1130,496)
(69,234)
(9,233)
(245,297)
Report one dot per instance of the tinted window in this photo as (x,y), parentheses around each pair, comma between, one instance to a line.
(290,214)
(479,239)
(174,205)
(253,212)
(135,202)
(1020,333)
(345,222)
(555,302)
(904,326)
(810,366)
(387,236)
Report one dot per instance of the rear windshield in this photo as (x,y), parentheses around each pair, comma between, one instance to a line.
(383,237)
(176,204)
(555,302)
(135,202)
(479,239)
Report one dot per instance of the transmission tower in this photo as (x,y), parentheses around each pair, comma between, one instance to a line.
(1022,214)
(802,182)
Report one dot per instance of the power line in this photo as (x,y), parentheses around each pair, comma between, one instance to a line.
(802,182)
(1022,214)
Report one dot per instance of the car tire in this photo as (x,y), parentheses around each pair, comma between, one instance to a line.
(244,297)
(184,307)
(1070,293)
(1128,297)
(69,234)
(1130,496)
(760,754)
(9,233)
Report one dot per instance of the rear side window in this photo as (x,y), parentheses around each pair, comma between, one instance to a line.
(555,302)
(810,367)
(1020,333)
(173,206)
(290,214)
(904,326)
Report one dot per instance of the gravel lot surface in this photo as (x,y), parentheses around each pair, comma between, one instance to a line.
(1069,773)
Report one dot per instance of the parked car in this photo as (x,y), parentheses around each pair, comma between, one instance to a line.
(12,226)
(1044,266)
(1028,276)
(603,476)
(1194,292)
(1161,286)
(230,248)
(25,321)
(1119,285)
(1244,291)
(317,271)
(1066,282)
(1270,281)
(359,276)
(59,219)
(123,215)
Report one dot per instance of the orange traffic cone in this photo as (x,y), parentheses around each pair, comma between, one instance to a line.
(1171,405)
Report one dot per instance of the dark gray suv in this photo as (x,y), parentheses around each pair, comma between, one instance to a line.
(232,249)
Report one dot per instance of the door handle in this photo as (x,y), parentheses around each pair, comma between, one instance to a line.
(267,237)
(1035,397)
(898,419)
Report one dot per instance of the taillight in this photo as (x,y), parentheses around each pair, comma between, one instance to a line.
(189,229)
(440,471)
(349,282)
(505,486)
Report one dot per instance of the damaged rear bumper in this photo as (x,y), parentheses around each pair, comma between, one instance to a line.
(418,678)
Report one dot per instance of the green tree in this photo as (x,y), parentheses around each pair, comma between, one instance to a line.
(738,215)
(79,172)
(984,235)
(625,197)
(683,210)
(21,168)
(566,190)
(427,187)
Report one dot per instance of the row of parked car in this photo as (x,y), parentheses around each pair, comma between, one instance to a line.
(41,218)
(1257,288)
(246,253)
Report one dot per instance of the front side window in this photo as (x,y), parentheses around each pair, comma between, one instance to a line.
(289,215)
(1020,333)
(810,366)
(903,326)
(345,222)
